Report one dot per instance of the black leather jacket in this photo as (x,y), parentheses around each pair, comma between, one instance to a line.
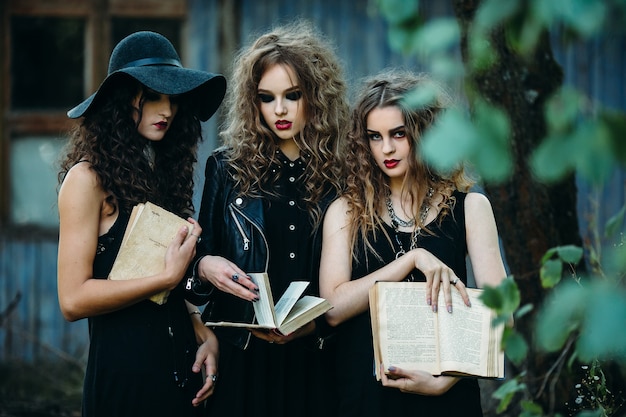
(233,227)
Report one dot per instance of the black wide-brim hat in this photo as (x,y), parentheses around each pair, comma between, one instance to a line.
(151,59)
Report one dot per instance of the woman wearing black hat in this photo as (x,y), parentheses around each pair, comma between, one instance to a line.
(264,196)
(136,142)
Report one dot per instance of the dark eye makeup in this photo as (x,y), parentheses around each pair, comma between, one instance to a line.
(266,98)
(294,95)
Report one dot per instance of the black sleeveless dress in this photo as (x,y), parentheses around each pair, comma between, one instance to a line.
(359,392)
(140,357)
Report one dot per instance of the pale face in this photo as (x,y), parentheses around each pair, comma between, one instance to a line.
(388,141)
(282,106)
(157,114)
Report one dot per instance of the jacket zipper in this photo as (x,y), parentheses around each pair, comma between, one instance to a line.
(246,240)
(246,246)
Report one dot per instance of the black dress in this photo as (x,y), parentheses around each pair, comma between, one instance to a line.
(272,380)
(359,392)
(140,357)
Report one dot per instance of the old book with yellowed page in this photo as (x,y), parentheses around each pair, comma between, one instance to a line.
(290,313)
(409,335)
(150,230)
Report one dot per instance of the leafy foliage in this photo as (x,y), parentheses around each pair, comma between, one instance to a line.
(583,317)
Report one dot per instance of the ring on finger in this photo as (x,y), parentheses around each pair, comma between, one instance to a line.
(454,281)
(213,378)
(235,277)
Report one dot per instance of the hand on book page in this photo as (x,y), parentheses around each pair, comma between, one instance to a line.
(292,312)
(275,336)
(415,382)
(408,335)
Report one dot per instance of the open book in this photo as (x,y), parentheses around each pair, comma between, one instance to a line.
(407,334)
(289,314)
(148,234)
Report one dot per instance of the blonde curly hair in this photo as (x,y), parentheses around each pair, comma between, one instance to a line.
(367,187)
(251,145)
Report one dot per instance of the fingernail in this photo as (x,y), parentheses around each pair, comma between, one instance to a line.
(429,301)
(449,309)
(391,369)
(435,308)
(256,299)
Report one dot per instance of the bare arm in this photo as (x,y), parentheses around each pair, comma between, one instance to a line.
(351,297)
(206,355)
(81,208)
(482,241)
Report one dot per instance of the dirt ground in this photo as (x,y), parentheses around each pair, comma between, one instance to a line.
(40,390)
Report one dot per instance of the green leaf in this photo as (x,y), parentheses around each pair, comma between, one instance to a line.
(615,122)
(506,392)
(594,154)
(549,254)
(531,30)
(450,141)
(492,158)
(421,97)
(523,310)
(550,273)
(561,314)
(437,36)
(515,347)
(400,39)
(615,264)
(446,67)
(602,335)
(481,54)
(550,161)
(591,413)
(532,407)
(492,13)
(504,299)
(615,223)
(397,12)
(571,254)
(562,110)
(586,17)
(492,298)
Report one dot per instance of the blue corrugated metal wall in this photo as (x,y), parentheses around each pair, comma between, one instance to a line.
(36,329)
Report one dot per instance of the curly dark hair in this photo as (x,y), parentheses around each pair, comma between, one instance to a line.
(366,185)
(108,139)
(251,145)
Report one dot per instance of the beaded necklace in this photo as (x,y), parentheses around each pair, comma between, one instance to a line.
(417,230)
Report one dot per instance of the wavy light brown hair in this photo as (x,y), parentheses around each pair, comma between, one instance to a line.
(366,185)
(250,143)
(108,139)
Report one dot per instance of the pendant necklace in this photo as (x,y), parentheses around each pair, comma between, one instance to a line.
(396,222)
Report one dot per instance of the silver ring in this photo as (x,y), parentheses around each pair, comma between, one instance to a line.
(213,378)
(455,281)
(271,341)
(235,277)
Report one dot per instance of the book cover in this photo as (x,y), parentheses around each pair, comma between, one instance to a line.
(150,230)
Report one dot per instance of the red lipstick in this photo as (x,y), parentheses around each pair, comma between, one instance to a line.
(391,163)
(283,124)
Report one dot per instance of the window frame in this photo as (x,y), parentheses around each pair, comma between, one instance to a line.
(98,15)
